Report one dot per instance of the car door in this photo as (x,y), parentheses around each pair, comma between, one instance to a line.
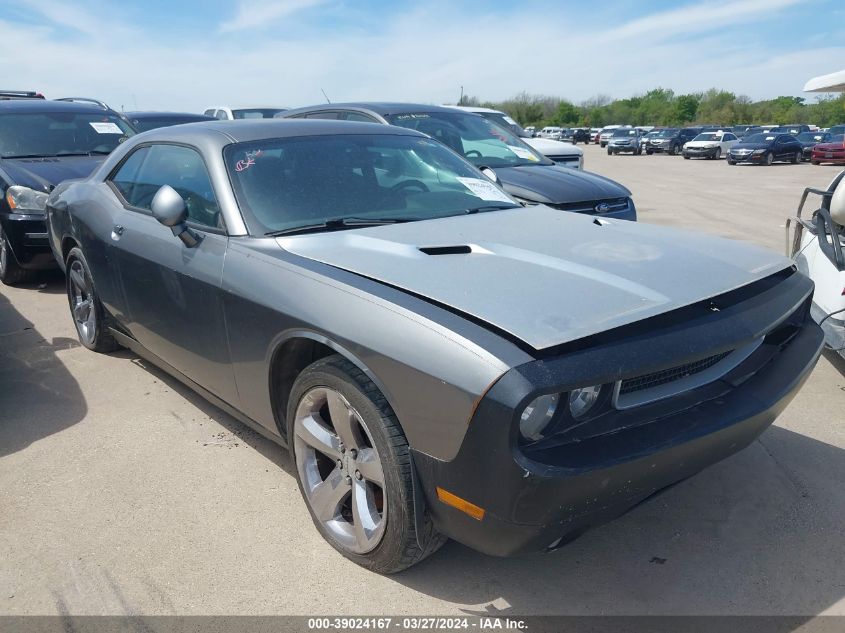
(174,306)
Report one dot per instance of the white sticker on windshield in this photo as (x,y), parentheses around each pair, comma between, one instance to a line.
(106,127)
(484,189)
(523,153)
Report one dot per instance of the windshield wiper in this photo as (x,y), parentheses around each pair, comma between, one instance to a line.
(93,152)
(337,223)
(27,156)
(489,207)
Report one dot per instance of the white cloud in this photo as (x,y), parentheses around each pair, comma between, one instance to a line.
(253,14)
(423,54)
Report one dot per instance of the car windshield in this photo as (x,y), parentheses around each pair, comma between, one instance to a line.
(624,132)
(291,183)
(837,138)
(477,139)
(811,137)
(667,133)
(759,138)
(41,133)
(708,136)
(256,113)
(503,120)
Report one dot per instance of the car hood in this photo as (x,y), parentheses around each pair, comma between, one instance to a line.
(543,276)
(43,174)
(702,143)
(554,184)
(550,147)
(751,146)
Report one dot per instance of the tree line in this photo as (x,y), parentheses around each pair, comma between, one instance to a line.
(662,107)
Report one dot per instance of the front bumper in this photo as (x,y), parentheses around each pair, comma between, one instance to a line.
(538,501)
(747,158)
(27,235)
(657,147)
(617,149)
(828,157)
(700,152)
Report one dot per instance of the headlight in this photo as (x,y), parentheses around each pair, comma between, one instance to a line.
(759,151)
(26,199)
(582,400)
(538,415)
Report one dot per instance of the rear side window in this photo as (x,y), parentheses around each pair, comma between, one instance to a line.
(149,168)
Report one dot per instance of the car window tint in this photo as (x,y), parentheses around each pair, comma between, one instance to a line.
(357,116)
(183,169)
(322,115)
(125,178)
(209,112)
(221,114)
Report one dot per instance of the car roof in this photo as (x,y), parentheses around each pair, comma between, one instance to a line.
(382,108)
(156,114)
(245,130)
(474,109)
(46,105)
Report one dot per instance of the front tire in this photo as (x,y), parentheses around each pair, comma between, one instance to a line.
(90,318)
(354,468)
(673,150)
(770,158)
(10,271)
(717,155)
(796,158)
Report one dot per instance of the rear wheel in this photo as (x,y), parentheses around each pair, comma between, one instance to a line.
(10,272)
(354,468)
(90,318)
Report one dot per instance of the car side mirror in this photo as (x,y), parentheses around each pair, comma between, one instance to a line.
(837,204)
(491,175)
(169,208)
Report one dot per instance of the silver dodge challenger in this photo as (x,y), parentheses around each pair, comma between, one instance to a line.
(440,361)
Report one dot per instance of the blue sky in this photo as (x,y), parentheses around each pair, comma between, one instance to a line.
(185,55)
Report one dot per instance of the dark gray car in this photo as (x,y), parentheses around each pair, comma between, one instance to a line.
(523,171)
(440,361)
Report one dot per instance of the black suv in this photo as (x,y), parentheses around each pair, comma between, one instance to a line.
(43,143)
(671,140)
(577,135)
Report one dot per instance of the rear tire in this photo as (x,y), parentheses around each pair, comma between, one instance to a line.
(10,271)
(91,320)
(356,418)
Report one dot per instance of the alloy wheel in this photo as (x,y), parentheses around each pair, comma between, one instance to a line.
(82,302)
(340,470)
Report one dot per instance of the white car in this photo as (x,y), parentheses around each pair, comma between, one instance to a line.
(552,132)
(564,154)
(710,145)
(818,248)
(225,113)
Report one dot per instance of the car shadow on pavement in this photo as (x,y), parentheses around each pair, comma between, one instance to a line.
(38,395)
(759,533)
(264,446)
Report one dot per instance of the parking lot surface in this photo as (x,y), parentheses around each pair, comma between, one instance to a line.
(123,492)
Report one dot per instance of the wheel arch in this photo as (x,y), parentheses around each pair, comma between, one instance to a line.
(291,353)
(68,242)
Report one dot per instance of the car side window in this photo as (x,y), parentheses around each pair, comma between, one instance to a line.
(180,167)
(357,116)
(221,114)
(322,115)
(209,112)
(125,179)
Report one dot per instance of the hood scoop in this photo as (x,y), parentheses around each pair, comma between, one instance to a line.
(460,249)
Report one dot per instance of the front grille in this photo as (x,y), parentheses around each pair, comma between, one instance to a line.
(564,160)
(657,378)
(595,206)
